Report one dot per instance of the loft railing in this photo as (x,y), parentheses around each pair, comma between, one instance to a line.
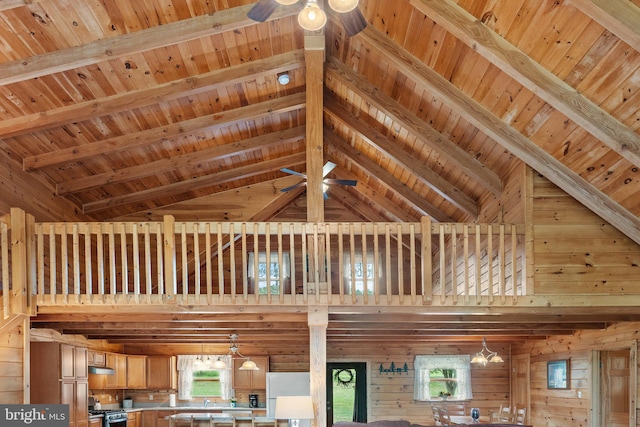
(271,263)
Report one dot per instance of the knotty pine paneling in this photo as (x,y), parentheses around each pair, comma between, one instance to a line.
(12,372)
(563,408)
(575,250)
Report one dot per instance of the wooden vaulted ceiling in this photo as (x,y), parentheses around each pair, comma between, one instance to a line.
(132,110)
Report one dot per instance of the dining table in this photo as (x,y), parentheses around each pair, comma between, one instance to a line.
(466,419)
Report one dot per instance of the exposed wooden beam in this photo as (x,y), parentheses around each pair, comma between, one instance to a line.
(187,127)
(314,58)
(508,137)
(621,17)
(417,127)
(188,86)
(12,4)
(197,183)
(189,160)
(227,20)
(533,76)
(381,174)
(425,175)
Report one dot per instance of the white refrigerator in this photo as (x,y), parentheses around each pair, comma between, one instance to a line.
(287,384)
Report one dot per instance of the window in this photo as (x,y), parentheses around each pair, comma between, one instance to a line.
(268,275)
(206,383)
(360,275)
(197,381)
(440,374)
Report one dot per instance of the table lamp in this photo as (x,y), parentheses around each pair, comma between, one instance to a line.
(294,409)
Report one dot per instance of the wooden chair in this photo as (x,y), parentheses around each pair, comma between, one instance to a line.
(263,423)
(444,416)
(222,421)
(504,415)
(176,422)
(520,415)
(458,409)
(436,415)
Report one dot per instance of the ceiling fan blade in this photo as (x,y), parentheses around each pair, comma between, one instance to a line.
(328,167)
(292,172)
(349,182)
(262,10)
(293,187)
(353,21)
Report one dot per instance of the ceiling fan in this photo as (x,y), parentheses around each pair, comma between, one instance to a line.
(352,19)
(326,169)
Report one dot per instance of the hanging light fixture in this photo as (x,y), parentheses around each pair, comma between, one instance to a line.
(489,357)
(234,352)
(287,2)
(312,17)
(343,6)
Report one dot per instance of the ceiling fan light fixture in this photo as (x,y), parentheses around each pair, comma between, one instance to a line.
(312,17)
(343,6)
(287,2)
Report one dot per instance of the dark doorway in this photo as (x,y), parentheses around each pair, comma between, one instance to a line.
(346,392)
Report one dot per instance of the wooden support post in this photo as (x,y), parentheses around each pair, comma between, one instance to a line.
(318,320)
(19,282)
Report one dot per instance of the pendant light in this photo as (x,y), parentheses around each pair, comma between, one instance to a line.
(489,357)
(342,6)
(234,352)
(312,17)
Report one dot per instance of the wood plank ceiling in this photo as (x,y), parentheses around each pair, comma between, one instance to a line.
(136,109)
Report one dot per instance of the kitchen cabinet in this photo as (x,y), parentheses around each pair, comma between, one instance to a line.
(96,422)
(133,419)
(148,419)
(136,372)
(251,380)
(118,380)
(96,358)
(161,373)
(59,376)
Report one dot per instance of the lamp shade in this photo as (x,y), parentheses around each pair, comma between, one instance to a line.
(249,365)
(287,2)
(294,408)
(312,18)
(343,6)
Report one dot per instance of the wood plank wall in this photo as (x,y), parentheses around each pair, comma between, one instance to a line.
(573,247)
(563,408)
(13,346)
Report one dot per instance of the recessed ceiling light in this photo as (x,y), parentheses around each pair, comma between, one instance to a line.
(283,79)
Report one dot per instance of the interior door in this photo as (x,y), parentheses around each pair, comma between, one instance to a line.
(615,387)
(346,391)
(520,381)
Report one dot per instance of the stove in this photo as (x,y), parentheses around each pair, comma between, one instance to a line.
(111,417)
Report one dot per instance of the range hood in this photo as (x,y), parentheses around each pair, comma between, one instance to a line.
(102,371)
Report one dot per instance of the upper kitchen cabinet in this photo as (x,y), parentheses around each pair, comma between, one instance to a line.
(161,373)
(251,380)
(97,358)
(117,362)
(136,372)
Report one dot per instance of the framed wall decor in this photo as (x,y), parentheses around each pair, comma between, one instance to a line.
(558,374)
